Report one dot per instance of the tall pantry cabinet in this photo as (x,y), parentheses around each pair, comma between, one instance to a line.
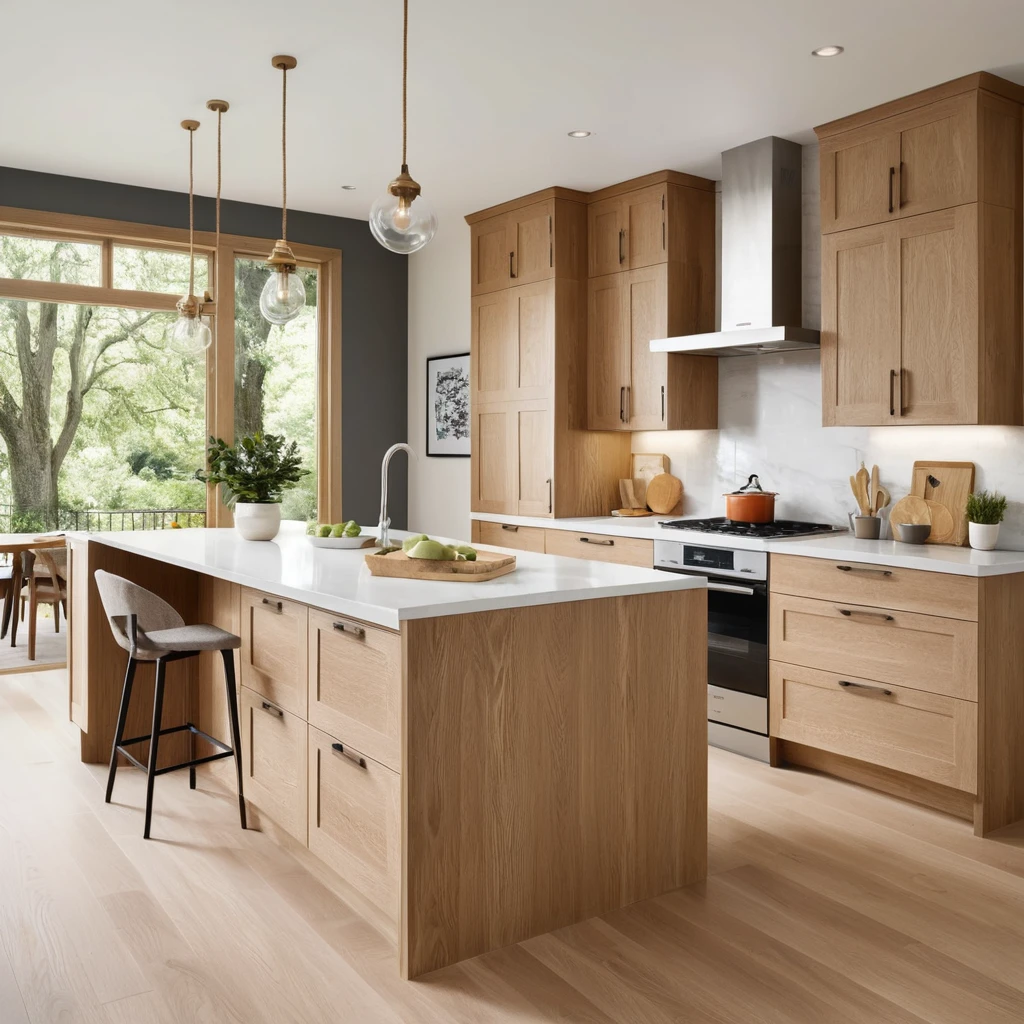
(532,454)
(921,217)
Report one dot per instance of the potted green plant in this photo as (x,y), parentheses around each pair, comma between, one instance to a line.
(985,511)
(253,475)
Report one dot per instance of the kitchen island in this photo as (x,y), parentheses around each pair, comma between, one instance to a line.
(478,762)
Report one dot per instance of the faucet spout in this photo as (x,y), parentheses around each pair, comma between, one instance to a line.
(384,526)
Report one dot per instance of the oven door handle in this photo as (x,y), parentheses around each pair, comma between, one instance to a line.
(729,588)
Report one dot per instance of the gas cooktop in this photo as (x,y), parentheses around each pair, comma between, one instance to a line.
(731,528)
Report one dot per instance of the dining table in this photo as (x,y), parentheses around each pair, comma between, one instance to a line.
(14,544)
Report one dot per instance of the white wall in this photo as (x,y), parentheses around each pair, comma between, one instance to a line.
(438,326)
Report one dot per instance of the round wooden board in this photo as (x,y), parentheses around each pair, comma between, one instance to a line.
(910,509)
(664,493)
(943,527)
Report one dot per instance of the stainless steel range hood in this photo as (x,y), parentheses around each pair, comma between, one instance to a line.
(761,272)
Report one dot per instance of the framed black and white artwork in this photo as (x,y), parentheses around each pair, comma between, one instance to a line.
(448,406)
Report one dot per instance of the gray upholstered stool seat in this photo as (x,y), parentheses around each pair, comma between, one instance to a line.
(150,630)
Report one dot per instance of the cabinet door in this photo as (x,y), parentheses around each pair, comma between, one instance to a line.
(648,319)
(860,178)
(491,256)
(534,460)
(645,227)
(859,327)
(939,156)
(493,443)
(531,242)
(491,346)
(532,339)
(608,351)
(938,277)
(606,244)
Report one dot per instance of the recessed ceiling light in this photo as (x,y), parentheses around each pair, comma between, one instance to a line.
(827,51)
(348,188)
(579,133)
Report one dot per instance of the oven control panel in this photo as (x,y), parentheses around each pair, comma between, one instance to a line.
(707,559)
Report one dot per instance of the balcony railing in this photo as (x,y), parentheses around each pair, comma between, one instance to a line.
(98,520)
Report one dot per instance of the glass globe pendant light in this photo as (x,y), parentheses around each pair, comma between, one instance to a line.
(189,335)
(284,294)
(401,220)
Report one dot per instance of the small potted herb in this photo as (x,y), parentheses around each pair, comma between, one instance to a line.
(254,474)
(985,511)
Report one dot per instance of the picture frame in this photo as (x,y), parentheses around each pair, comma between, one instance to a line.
(448,422)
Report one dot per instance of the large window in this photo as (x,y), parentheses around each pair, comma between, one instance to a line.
(102,426)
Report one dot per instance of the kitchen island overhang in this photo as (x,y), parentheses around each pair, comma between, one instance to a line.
(542,736)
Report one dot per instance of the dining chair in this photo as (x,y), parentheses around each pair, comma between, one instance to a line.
(45,571)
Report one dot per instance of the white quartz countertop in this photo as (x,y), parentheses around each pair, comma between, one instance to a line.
(843,545)
(339,580)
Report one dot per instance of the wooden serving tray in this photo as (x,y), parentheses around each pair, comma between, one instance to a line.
(489,565)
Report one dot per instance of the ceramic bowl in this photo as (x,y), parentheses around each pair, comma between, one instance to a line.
(913,533)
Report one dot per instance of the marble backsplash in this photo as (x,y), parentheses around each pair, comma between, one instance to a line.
(770,411)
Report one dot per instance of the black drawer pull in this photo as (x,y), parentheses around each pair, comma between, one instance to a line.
(351,628)
(859,568)
(849,612)
(847,684)
(267,706)
(351,755)
(603,543)
(510,527)
(278,605)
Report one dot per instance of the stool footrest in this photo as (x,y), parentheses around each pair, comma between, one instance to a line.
(187,727)
(223,749)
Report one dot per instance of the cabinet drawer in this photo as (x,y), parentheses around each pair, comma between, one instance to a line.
(625,550)
(354,819)
(508,535)
(274,756)
(922,734)
(274,649)
(922,652)
(355,684)
(913,590)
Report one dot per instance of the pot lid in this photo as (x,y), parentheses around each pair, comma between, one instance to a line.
(752,486)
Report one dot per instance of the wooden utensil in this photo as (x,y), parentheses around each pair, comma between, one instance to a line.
(949,484)
(873,488)
(854,488)
(863,481)
(910,509)
(882,498)
(489,565)
(664,492)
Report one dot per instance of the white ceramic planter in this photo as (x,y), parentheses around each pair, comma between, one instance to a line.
(983,536)
(257,522)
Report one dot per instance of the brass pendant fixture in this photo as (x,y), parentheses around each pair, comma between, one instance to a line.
(220,108)
(284,295)
(189,335)
(401,220)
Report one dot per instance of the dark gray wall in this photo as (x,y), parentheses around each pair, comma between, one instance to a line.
(374,309)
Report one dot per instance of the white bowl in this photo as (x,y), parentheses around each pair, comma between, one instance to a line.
(363,540)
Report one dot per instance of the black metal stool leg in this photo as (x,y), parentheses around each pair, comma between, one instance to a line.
(154,741)
(122,718)
(236,737)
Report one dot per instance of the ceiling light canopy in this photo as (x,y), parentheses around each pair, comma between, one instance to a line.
(827,51)
(580,133)
(401,220)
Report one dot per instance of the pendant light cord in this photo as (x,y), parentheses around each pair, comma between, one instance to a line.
(191,216)
(220,115)
(405,79)
(284,154)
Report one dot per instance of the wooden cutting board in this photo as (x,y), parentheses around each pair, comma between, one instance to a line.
(664,493)
(647,467)
(947,484)
(910,509)
(489,565)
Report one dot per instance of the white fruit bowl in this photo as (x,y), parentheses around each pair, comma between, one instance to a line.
(363,540)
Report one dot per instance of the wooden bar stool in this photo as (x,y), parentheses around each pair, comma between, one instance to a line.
(149,629)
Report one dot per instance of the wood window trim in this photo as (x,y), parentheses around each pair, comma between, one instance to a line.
(220,360)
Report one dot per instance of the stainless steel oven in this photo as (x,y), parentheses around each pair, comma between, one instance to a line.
(737,639)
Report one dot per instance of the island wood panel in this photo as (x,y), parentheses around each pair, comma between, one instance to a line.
(274,643)
(355,684)
(508,535)
(97,666)
(555,768)
(923,734)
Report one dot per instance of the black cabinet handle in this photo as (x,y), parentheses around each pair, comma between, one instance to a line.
(892,175)
(276,605)
(622,249)
(603,543)
(849,684)
(663,403)
(267,706)
(511,272)
(622,404)
(859,568)
(904,377)
(356,758)
(352,628)
(892,392)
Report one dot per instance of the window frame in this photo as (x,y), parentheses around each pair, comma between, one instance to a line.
(220,357)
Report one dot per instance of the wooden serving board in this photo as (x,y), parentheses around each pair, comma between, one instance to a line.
(489,565)
(954,481)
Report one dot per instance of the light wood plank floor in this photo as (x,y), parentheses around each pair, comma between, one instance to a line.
(826,904)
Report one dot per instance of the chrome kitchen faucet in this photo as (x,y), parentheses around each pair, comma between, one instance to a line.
(383,527)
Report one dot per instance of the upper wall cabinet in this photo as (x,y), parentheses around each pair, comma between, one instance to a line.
(524,245)
(921,259)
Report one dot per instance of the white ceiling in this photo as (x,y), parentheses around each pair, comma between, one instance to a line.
(98,89)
